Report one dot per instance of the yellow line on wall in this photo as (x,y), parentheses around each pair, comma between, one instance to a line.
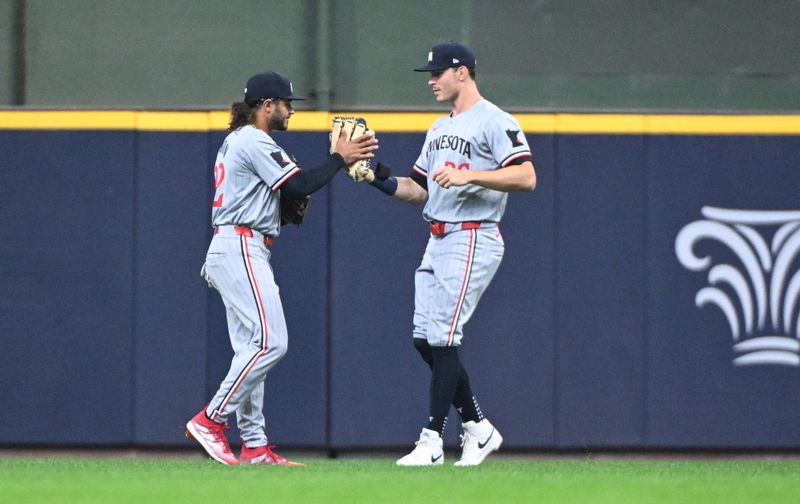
(395,122)
(599,123)
(68,120)
(722,125)
(173,121)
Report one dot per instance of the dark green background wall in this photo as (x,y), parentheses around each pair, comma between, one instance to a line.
(7,51)
(626,55)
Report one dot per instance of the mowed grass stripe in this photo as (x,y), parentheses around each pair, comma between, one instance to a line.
(96,480)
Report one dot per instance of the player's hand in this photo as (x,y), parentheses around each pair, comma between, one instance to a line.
(447,177)
(204,274)
(357,149)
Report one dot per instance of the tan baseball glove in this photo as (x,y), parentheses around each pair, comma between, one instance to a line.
(353,127)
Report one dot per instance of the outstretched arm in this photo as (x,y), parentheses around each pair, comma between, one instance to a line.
(410,192)
(305,182)
(347,152)
(404,189)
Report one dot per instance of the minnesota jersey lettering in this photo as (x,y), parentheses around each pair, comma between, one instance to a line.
(451,142)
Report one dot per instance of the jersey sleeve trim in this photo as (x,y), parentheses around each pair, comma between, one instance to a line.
(419,170)
(285,177)
(516,155)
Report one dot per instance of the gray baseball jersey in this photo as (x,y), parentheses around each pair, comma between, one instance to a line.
(249,171)
(464,253)
(481,138)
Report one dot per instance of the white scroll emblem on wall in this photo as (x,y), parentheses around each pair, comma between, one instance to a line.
(758,292)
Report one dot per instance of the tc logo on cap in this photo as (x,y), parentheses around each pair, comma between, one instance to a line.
(268,85)
(448,55)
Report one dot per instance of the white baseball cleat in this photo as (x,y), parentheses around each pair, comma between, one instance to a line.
(428,451)
(479,440)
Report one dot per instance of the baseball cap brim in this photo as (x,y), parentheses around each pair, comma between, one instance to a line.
(292,97)
(431,67)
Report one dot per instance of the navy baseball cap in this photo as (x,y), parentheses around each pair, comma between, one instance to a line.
(448,55)
(269,85)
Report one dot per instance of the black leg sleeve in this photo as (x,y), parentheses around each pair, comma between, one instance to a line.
(464,400)
(444,381)
(424,350)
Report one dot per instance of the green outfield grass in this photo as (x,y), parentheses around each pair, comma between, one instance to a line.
(101,480)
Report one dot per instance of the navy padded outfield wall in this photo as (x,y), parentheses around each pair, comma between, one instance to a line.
(649,296)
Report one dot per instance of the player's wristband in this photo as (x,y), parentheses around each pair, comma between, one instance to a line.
(388,186)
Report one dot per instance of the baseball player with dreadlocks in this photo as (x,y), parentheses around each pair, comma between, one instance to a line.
(470,160)
(254,178)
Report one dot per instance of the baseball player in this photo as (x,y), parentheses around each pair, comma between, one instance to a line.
(251,173)
(471,159)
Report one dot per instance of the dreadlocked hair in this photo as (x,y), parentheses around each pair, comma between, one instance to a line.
(242,114)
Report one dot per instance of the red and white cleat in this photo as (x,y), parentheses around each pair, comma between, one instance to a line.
(211,436)
(264,455)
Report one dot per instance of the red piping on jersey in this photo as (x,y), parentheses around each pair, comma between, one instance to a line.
(264,333)
(251,274)
(462,295)
(285,178)
(419,170)
(515,156)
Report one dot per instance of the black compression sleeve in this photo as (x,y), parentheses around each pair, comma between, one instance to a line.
(520,160)
(419,179)
(309,181)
